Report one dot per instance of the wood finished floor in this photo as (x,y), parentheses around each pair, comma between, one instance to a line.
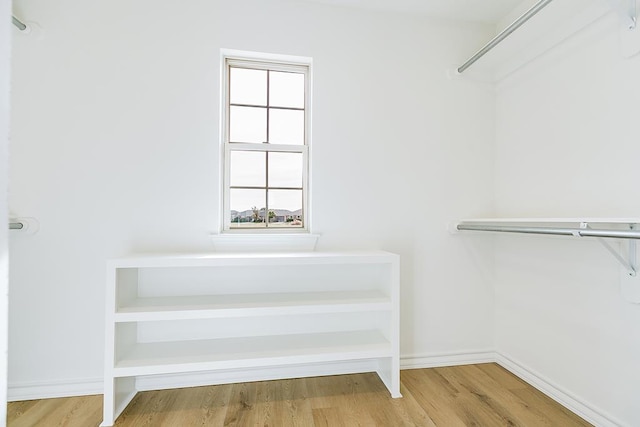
(472,395)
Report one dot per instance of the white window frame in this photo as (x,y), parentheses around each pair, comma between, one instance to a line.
(275,63)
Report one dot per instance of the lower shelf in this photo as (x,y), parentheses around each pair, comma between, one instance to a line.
(233,353)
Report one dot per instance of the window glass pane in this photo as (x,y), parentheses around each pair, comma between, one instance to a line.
(286,208)
(286,127)
(248,169)
(247,208)
(247,86)
(286,89)
(285,170)
(247,124)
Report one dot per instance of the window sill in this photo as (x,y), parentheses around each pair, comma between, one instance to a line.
(264,242)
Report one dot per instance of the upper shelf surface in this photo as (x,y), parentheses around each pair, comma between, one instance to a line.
(262,258)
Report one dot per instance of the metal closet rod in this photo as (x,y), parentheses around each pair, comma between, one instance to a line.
(504,34)
(18,23)
(559,231)
(16,226)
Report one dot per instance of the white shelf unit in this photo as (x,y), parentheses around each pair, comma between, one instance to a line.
(175,321)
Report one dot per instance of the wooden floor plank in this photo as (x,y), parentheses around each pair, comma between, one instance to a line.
(503,377)
(436,395)
(241,404)
(520,410)
(557,414)
(69,411)
(327,417)
(472,395)
(520,397)
(492,405)
(404,412)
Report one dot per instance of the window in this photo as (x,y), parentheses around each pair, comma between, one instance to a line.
(266,144)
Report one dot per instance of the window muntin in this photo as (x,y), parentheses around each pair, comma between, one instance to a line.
(266,145)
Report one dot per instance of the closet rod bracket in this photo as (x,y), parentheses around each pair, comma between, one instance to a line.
(627,10)
(628,264)
(630,282)
(633,14)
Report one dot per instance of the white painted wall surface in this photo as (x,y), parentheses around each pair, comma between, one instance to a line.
(115,150)
(5,49)
(567,145)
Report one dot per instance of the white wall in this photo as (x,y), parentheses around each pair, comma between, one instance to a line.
(115,150)
(5,37)
(567,145)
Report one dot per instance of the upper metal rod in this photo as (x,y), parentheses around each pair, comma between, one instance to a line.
(578,232)
(21,26)
(16,226)
(505,33)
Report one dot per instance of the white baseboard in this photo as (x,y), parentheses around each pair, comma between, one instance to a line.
(49,389)
(590,413)
(440,360)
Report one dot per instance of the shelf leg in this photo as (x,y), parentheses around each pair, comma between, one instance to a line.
(108,403)
(389,373)
(118,393)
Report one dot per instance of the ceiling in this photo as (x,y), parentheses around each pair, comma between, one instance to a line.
(485,11)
